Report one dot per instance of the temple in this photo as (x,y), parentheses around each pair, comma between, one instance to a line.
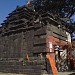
(33,43)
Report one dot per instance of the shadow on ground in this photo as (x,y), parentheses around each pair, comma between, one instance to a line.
(72,74)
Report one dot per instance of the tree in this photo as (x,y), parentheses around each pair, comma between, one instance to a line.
(61,8)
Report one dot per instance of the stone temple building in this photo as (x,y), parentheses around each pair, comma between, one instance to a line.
(32,42)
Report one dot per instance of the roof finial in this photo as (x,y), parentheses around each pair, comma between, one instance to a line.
(28,2)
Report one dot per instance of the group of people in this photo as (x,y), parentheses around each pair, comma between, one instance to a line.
(61,65)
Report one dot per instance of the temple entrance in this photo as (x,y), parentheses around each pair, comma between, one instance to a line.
(61,59)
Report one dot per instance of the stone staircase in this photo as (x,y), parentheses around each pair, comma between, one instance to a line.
(33,66)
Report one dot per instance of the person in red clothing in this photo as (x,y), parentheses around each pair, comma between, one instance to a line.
(74,65)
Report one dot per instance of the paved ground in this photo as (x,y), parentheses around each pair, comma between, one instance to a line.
(66,73)
(60,73)
(10,74)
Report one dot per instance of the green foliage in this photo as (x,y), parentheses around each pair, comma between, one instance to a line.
(60,9)
(64,8)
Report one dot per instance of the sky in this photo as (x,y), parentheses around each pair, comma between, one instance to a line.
(7,6)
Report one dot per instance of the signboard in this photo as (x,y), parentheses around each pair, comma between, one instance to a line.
(50,46)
